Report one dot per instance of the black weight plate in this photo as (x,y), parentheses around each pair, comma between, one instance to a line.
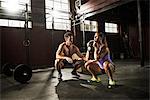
(7,69)
(22,73)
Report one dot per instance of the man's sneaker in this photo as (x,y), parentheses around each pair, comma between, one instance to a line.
(75,73)
(112,82)
(59,76)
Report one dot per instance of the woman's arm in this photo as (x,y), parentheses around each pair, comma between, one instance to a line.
(104,51)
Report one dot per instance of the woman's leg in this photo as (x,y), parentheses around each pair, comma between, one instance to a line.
(108,71)
(112,67)
(94,69)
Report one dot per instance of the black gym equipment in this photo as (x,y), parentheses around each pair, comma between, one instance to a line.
(7,69)
(22,73)
(90,48)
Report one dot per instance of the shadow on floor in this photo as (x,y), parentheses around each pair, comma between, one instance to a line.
(82,90)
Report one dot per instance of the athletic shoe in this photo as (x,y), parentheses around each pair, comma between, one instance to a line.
(112,82)
(95,80)
(98,79)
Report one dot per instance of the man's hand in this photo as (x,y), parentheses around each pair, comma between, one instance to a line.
(69,60)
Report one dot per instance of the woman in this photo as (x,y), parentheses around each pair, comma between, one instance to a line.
(102,62)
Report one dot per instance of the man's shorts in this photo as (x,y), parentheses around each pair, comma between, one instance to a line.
(75,62)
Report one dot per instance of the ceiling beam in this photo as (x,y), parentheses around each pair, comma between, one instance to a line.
(113,5)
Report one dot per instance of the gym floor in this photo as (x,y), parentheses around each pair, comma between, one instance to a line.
(132,84)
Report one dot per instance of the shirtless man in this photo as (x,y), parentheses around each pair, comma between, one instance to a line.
(102,62)
(64,55)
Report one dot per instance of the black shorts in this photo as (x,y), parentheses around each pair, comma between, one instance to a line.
(75,63)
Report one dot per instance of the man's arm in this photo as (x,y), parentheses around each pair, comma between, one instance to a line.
(79,54)
(59,51)
(59,54)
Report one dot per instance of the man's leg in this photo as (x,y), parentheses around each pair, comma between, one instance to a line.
(77,65)
(59,64)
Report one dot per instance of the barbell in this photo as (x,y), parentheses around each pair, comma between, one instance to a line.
(21,73)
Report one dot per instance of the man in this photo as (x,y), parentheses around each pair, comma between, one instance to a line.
(64,55)
(102,62)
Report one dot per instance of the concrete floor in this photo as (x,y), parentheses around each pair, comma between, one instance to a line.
(132,84)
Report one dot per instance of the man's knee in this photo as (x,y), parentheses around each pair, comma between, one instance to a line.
(59,63)
(79,63)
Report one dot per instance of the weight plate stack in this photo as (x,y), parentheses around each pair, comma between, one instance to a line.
(22,73)
(7,69)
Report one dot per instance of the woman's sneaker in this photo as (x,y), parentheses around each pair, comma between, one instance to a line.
(112,82)
(98,79)
(95,80)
